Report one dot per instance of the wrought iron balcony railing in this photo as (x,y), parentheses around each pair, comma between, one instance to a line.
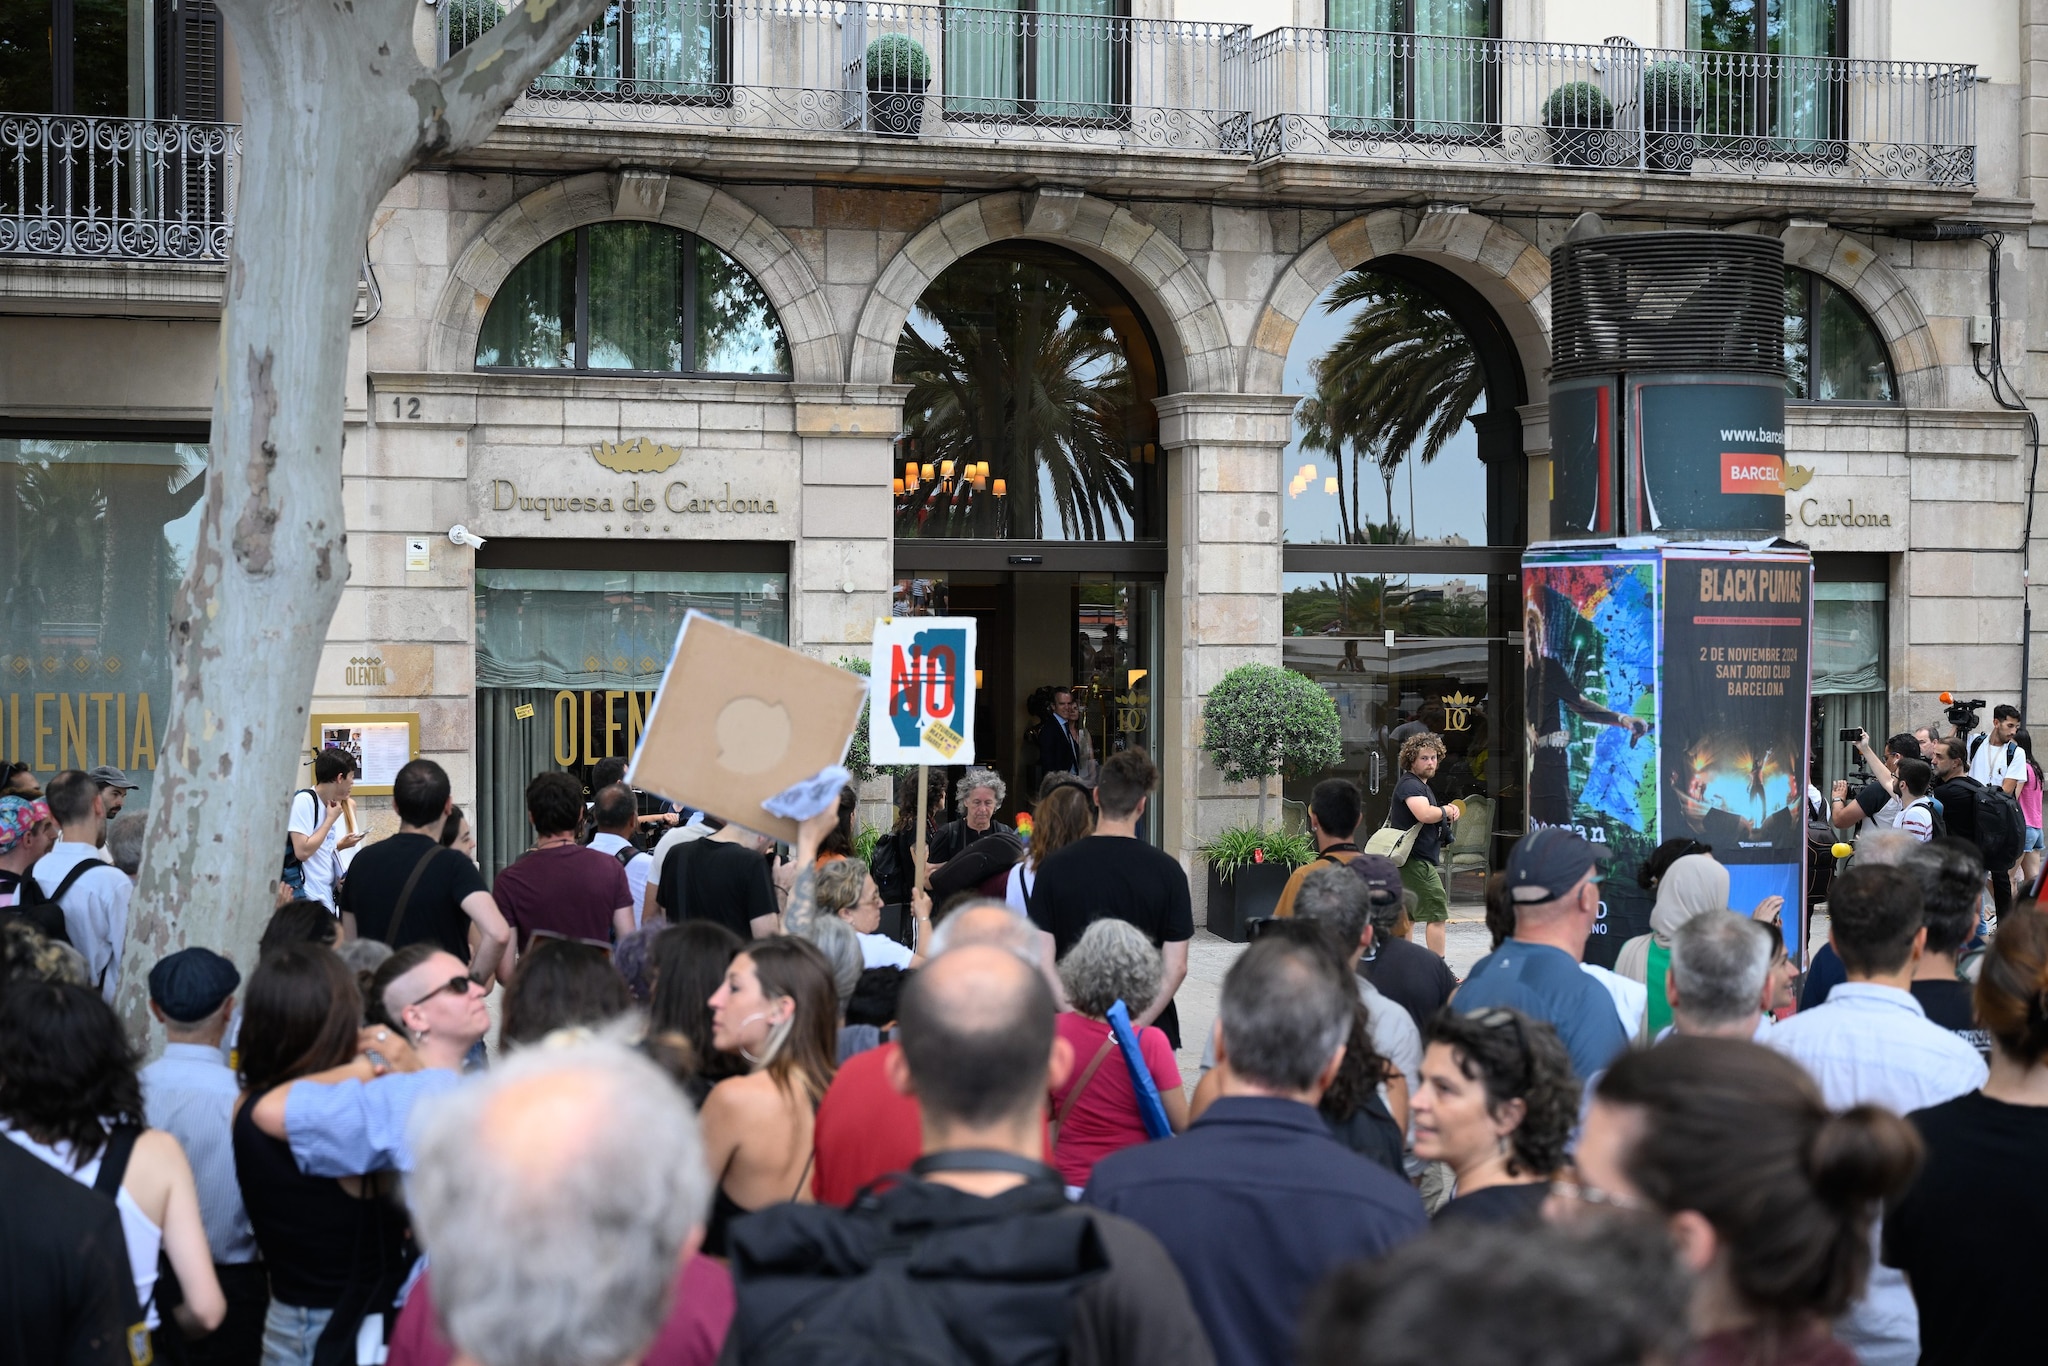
(1417,98)
(140,189)
(894,70)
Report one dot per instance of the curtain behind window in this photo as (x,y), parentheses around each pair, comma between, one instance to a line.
(510,751)
(1848,637)
(636,296)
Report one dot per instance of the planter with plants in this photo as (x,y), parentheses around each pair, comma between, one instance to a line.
(898,72)
(1262,722)
(1580,121)
(1248,867)
(1672,95)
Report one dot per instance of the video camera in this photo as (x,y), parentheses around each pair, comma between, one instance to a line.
(1962,714)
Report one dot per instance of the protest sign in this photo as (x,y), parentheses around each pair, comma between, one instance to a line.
(923,683)
(740,719)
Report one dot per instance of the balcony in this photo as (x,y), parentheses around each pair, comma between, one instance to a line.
(892,71)
(118,189)
(1612,106)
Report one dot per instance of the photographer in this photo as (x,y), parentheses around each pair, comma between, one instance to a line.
(1875,805)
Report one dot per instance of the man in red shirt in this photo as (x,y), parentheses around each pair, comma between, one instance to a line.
(560,887)
(866,1128)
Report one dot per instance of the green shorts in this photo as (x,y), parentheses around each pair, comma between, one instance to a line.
(1431,905)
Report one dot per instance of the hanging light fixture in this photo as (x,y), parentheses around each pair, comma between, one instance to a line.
(1330,484)
(896,487)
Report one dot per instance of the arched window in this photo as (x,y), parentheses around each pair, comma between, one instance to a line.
(637,298)
(1833,353)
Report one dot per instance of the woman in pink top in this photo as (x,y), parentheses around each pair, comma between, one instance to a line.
(1095,1111)
(2030,807)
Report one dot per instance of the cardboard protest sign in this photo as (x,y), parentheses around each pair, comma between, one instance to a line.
(739,719)
(923,685)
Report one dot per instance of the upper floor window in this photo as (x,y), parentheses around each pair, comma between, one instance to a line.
(111,58)
(633,297)
(1833,353)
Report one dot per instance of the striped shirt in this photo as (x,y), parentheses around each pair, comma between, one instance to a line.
(189,1093)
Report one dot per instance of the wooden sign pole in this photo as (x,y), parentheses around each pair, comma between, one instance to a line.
(919,859)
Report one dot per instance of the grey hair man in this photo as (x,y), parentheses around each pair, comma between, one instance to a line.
(1335,896)
(1256,1201)
(1720,967)
(537,1168)
(124,841)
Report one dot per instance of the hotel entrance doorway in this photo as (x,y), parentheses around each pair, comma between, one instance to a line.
(1041,630)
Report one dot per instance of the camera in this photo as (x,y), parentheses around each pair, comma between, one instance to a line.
(1962,714)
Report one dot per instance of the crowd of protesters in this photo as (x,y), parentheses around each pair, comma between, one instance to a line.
(655,1093)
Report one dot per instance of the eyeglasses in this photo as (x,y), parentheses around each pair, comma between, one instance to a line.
(459,985)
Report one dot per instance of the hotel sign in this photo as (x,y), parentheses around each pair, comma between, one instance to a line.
(678,498)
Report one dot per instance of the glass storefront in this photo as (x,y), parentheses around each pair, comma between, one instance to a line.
(567,665)
(1849,680)
(95,535)
(1402,652)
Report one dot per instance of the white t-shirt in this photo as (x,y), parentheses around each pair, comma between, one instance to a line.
(307,813)
(637,867)
(880,951)
(1988,764)
(1022,880)
(1916,820)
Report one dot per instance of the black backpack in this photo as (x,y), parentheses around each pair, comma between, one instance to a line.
(893,866)
(2001,830)
(918,1273)
(293,873)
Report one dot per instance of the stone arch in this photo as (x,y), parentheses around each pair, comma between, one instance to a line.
(1507,270)
(1169,288)
(648,196)
(1857,268)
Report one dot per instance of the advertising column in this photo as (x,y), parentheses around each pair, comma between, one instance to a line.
(1733,719)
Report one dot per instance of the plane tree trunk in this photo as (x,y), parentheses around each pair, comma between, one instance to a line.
(337,108)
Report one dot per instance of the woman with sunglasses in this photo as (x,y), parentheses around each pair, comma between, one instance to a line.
(1496,1104)
(1768,1197)
(777,1009)
(320,1237)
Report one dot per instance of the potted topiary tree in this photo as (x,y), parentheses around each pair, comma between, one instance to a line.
(1580,121)
(1260,722)
(1671,105)
(898,72)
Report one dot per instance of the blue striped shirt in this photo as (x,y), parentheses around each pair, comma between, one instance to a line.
(189,1093)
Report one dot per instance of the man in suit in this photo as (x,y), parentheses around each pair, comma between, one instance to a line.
(1059,742)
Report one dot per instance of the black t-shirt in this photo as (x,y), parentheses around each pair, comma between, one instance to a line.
(1498,1205)
(1968,1232)
(712,880)
(1410,975)
(67,1294)
(434,915)
(1871,798)
(1948,1004)
(1400,817)
(1114,875)
(954,836)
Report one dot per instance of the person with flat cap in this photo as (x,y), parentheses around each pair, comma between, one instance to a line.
(190,1093)
(1553,878)
(114,786)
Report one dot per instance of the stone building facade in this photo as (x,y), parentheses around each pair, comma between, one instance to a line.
(1223,252)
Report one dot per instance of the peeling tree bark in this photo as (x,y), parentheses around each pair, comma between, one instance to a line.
(338,107)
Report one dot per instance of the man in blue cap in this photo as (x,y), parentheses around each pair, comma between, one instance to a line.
(1553,881)
(190,1094)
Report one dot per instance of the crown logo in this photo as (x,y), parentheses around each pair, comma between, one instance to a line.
(1458,711)
(1797,477)
(638,456)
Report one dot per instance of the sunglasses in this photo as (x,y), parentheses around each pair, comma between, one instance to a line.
(459,985)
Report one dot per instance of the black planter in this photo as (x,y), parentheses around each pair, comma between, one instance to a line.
(1668,142)
(1581,146)
(897,112)
(1251,894)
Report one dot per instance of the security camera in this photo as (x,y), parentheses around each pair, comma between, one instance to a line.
(462,535)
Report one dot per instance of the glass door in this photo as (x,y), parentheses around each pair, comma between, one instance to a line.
(1403,653)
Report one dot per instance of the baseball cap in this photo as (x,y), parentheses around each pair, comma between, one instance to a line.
(106,775)
(189,985)
(1548,862)
(18,816)
(1380,874)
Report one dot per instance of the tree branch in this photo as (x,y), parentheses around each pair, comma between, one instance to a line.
(461,101)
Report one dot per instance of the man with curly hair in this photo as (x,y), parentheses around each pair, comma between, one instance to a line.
(1415,807)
